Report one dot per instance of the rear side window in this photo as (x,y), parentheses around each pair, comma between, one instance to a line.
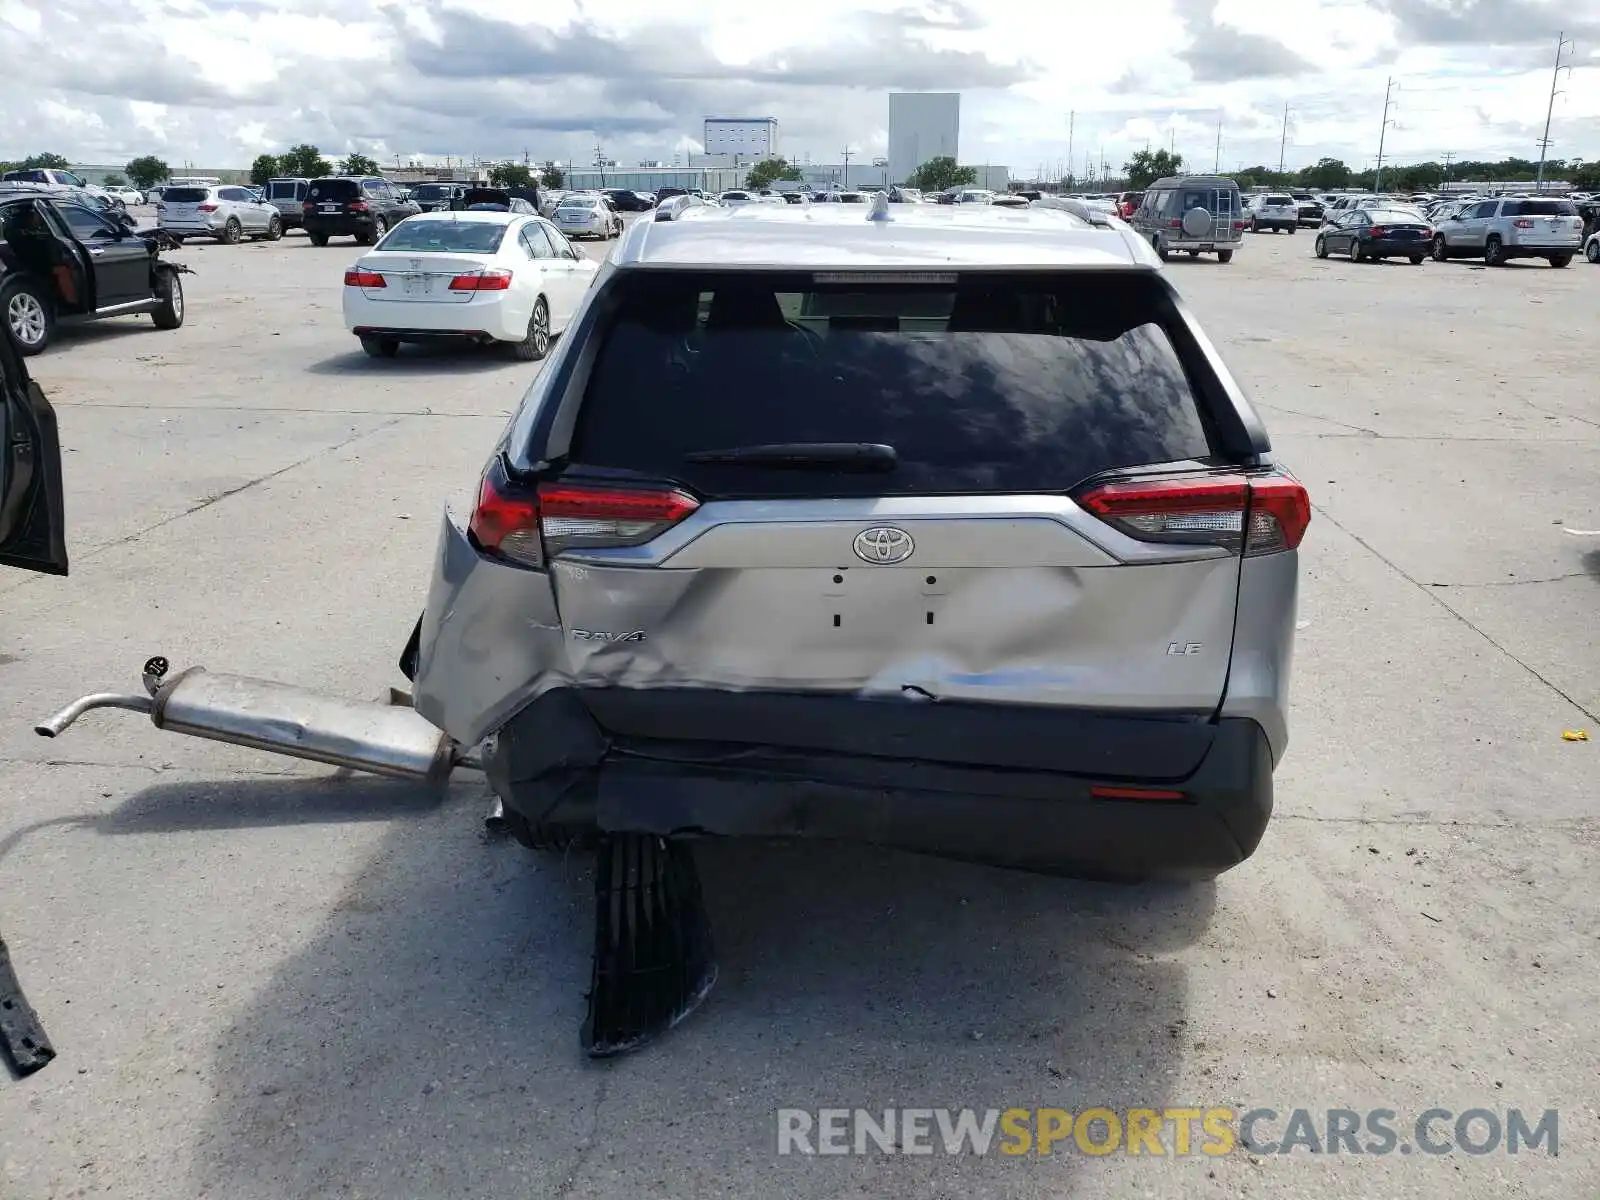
(186,195)
(994,384)
(284,189)
(334,189)
(1540,208)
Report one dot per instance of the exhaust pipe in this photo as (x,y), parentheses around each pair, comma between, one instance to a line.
(378,738)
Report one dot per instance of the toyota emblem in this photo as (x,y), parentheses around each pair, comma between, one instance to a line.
(884,544)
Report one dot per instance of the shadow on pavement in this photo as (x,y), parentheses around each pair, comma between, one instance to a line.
(424,1041)
(421,361)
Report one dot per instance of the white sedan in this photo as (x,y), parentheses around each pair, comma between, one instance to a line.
(587,216)
(128,195)
(482,277)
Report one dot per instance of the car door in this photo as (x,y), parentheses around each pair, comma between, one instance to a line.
(33,526)
(1473,228)
(582,268)
(555,274)
(119,262)
(242,204)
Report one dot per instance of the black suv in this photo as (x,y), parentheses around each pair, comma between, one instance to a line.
(362,208)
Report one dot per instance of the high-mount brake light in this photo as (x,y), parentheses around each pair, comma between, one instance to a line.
(1258,514)
(531,527)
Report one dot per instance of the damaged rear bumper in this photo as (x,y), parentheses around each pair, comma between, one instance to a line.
(1097,794)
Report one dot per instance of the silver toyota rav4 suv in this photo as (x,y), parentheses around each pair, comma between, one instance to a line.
(946,529)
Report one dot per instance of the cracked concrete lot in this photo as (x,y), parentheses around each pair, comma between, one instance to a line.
(266,982)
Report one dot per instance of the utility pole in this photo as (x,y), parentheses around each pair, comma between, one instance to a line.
(846,153)
(1448,155)
(1072,122)
(1562,46)
(1217,169)
(1283,142)
(1377,179)
(1172,142)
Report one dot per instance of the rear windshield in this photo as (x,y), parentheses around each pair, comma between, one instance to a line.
(1280,200)
(455,237)
(1540,208)
(185,195)
(430,192)
(283,189)
(1394,216)
(987,386)
(334,189)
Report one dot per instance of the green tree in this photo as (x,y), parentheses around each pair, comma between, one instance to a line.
(768,169)
(552,176)
(264,168)
(54,162)
(1585,176)
(147,171)
(358,164)
(511,175)
(304,161)
(1325,175)
(940,173)
(114,180)
(7,165)
(1147,166)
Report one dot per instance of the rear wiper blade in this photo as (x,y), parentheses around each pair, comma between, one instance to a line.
(836,456)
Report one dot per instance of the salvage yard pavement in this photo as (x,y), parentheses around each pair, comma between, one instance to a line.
(264,981)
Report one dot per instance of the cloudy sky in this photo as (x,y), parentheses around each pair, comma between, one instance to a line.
(215,82)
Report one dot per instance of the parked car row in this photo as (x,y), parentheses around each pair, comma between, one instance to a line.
(1496,229)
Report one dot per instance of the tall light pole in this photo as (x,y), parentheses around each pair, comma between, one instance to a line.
(1283,142)
(1377,179)
(846,153)
(1562,46)
(1217,169)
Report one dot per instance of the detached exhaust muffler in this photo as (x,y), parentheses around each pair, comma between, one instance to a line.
(359,735)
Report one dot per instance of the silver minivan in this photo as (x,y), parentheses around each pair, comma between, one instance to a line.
(1197,214)
(287,195)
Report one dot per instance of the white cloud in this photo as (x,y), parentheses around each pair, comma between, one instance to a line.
(216,82)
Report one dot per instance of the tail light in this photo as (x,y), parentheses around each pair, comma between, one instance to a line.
(531,527)
(1379,231)
(360,277)
(482,281)
(358,206)
(1238,225)
(207,208)
(307,206)
(1174,224)
(1523,223)
(1258,514)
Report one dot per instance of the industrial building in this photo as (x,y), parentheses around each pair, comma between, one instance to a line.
(922,125)
(740,139)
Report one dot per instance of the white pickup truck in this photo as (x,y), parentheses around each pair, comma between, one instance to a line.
(1274,211)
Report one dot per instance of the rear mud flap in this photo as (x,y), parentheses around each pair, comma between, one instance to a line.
(653,960)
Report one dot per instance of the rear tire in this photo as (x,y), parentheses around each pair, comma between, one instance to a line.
(1255,225)
(1224,256)
(169,290)
(1160,248)
(549,836)
(1560,260)
(275,230)
(380,347)
(535,344)
(1494,253)
(1441,248)
(1355,252)
(231,232)
(1294,229)
(318,239)
(1416,259)
(28,314)
(1592,251)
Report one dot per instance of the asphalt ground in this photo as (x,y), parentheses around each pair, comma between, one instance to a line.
(268,981)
